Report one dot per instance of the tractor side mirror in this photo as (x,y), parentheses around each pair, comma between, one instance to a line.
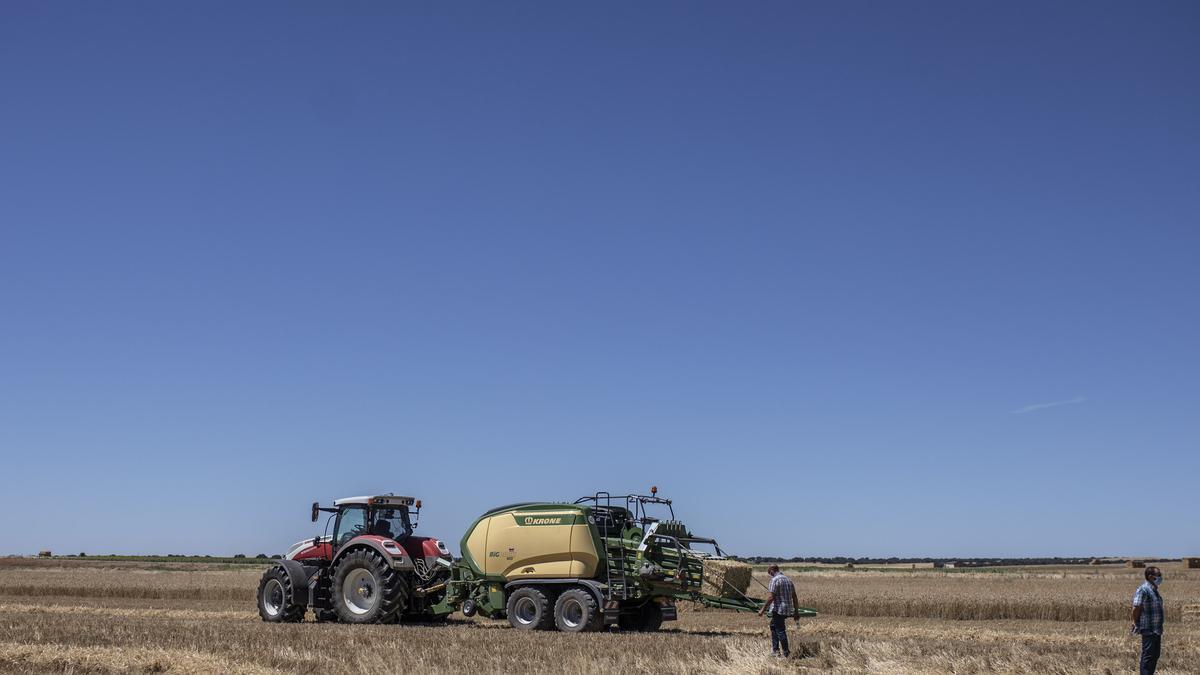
(316,511)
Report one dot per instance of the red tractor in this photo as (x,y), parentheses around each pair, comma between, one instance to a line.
(371,570)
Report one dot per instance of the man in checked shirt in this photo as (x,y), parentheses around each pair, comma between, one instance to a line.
(782,603)
(1147,618)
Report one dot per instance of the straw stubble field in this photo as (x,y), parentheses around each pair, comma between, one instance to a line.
(81,617)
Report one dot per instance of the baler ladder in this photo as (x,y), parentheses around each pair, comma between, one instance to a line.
(614,552)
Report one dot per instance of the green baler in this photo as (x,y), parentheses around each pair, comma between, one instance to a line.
(599,561)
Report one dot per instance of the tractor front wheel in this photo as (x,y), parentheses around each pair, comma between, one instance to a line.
(367,590)
(276,598)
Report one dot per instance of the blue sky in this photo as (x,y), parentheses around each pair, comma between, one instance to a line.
(841,278)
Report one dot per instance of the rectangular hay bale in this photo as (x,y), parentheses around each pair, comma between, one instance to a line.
(1191,563)
(727,578)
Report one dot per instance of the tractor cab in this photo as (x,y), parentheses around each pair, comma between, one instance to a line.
(385,516)
(385,522)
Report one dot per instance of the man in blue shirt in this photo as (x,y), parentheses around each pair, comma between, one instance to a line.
(1147,616)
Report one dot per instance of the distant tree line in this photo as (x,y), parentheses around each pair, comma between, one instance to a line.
(184,556)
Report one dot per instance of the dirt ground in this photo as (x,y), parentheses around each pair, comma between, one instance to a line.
(79,617)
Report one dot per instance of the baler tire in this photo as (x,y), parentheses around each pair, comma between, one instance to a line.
(652,617)
(577,600)
(647,618)
(276,598)
(391,586)
(525,599)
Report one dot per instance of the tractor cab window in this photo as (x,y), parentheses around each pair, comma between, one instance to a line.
(351,522)
(391,523)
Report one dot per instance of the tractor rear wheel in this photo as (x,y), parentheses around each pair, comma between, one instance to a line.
(367,590)
(529,608)
(576,611)
(277,599)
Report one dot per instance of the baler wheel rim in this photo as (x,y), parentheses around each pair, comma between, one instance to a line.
(576,611)
(530,608)
(572,612)
(525,610)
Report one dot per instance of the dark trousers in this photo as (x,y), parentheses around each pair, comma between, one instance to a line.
(1151,646)
(779,634)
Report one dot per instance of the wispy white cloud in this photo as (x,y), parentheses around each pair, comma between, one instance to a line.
(1043,406)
